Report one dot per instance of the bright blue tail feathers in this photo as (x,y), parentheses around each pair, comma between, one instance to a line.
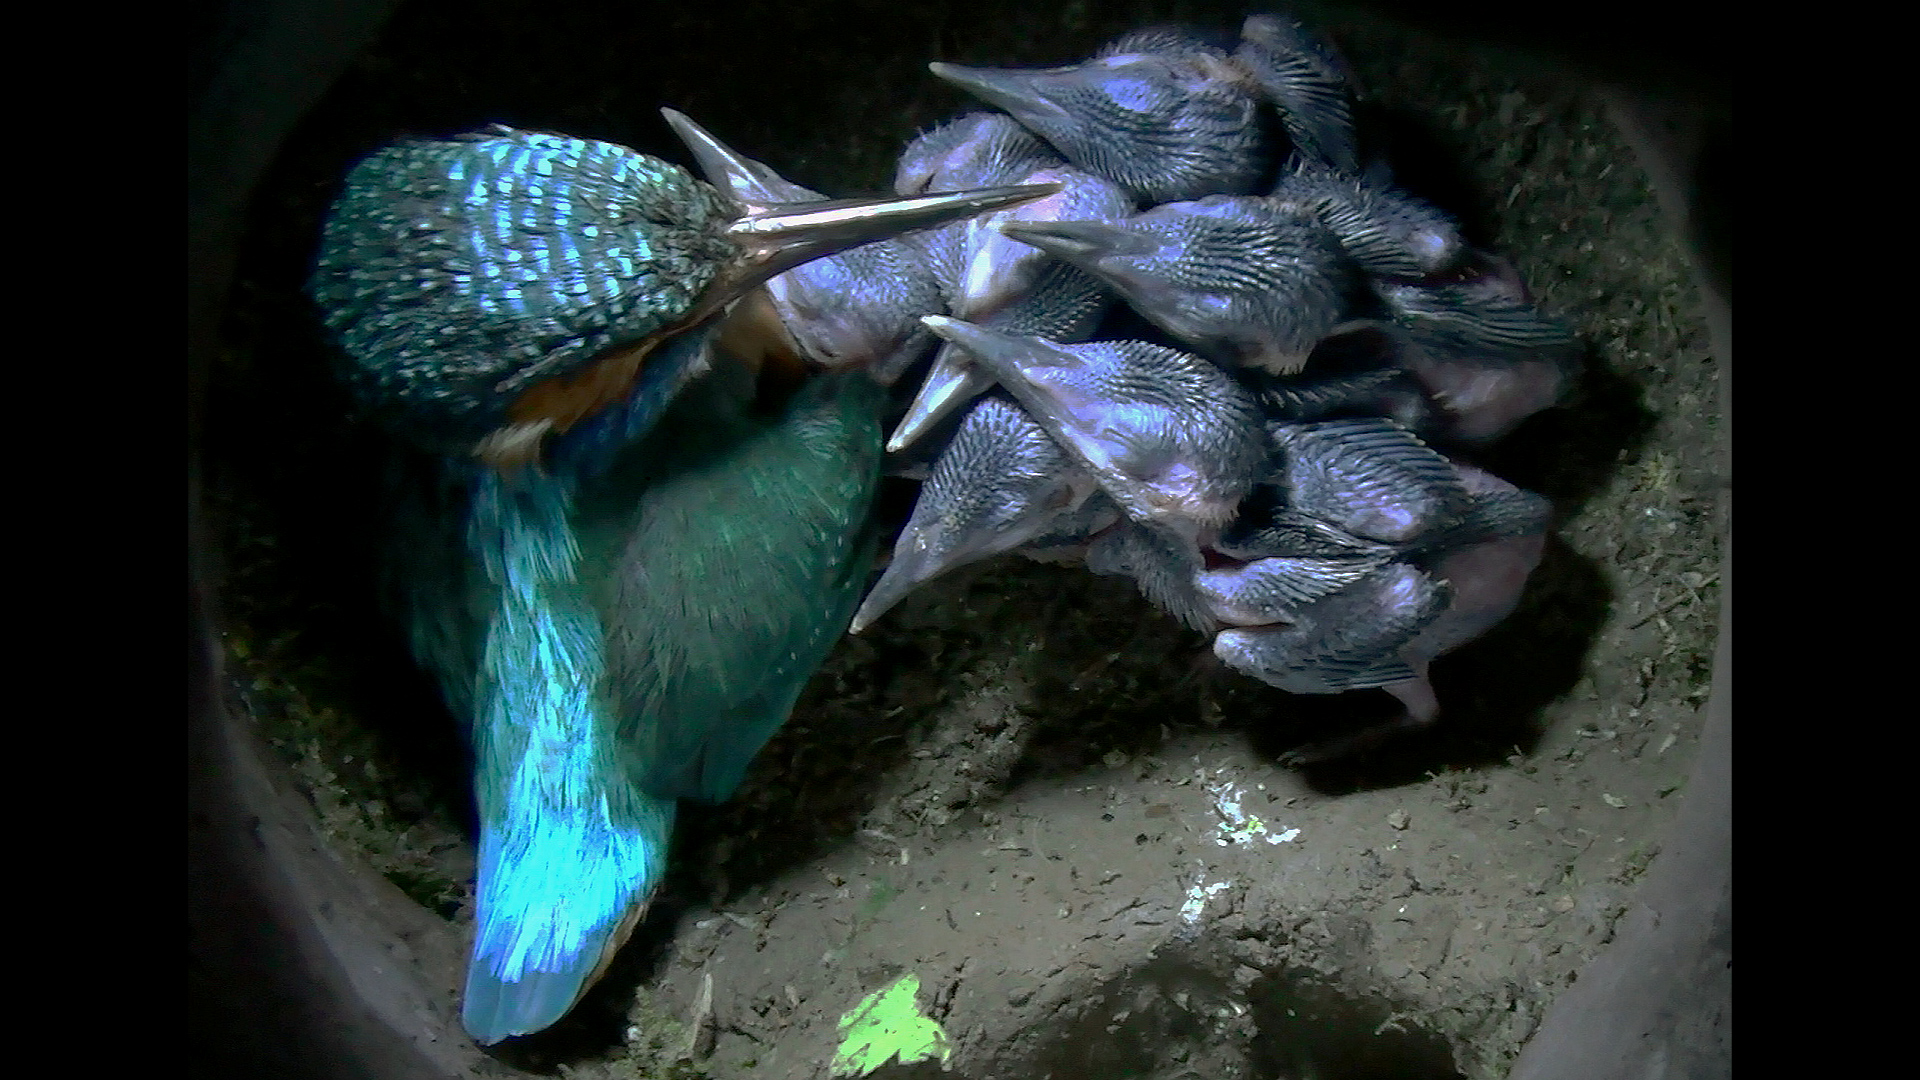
(553,905)
(569,851)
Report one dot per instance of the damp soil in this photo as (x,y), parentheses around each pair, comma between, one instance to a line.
(1026,786)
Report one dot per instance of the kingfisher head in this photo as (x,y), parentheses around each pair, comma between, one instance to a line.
(496,288)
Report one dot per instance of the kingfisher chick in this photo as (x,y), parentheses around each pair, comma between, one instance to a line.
(966,150)
(1172,113)
(1346,498)
(1353,372)
(1000,483)
(1165,113)
(1271,590)
(1487,358)
(1385,628)
(1170,437)
(1162,566)
(1306,78)
(1238,278)
(1387,233)
(986,277)
(1368,478)
(1349,640)
(968,261)
(1486,561)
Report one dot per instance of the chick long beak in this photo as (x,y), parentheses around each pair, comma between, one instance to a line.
(1082,243)
(1022,93)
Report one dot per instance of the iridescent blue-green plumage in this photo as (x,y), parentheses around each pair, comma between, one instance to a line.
(735,572)
(569,849)
(624,609)
(455,273)
(629,636)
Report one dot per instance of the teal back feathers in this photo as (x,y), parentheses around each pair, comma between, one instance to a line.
(568,850)
(624,634)
(731,579)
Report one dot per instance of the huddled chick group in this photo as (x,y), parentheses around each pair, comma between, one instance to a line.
(1248,440)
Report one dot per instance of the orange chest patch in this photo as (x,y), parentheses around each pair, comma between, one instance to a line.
(749,333)
(565,400)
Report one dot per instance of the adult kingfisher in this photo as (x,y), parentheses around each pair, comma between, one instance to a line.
(647,521)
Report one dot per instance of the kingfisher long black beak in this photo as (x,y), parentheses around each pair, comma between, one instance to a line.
(776,233)
(778,239)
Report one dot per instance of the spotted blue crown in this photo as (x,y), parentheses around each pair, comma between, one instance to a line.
(455,273)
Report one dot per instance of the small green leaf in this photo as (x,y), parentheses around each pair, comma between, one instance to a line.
(885,1025)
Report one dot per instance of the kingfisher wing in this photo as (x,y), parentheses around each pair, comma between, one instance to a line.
(732,575)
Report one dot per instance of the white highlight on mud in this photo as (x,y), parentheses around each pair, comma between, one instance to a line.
(1197,897)
(1236,825)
